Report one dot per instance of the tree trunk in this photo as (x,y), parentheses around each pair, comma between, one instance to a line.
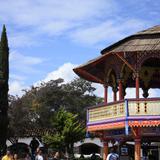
(71,154)
(66,153)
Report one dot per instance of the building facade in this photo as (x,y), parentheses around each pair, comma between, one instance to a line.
(133,62)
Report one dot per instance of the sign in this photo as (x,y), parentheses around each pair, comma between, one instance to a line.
(124,151)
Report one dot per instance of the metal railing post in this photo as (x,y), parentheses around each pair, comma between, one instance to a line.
(126,119)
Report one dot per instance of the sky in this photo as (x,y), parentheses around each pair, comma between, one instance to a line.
(47,39)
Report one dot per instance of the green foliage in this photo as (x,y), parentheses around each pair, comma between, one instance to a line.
(41,103)
(18,116)
(54,141)
(4,72)
(68,130)
(4,53)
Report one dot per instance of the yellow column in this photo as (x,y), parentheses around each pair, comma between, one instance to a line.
(105,150)
(137,151)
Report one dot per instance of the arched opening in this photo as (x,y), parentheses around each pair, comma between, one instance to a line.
(111,78)
(89,148)
(126,76)
(150,75)
(112,81)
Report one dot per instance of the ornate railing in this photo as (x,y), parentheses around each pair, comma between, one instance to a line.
(144,107)
(105,112)
(122,109)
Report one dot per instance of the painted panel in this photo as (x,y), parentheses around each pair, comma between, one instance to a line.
(107,112)
(144,108)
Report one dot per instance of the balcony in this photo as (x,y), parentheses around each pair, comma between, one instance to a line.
(124,114)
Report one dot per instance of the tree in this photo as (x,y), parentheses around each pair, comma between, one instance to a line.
(30,114)
(19,119)
(79,95)
(68,130)
(41,102)
(4,74)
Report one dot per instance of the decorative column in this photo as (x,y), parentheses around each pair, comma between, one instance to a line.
(105,150)
(137,85)
(137,152)
(114,89)
(145,92)
(105,93)
(124,91)
(120,86)
(137,140)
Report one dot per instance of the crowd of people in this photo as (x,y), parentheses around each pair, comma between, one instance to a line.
(35,154)
(14,156)
(38,156)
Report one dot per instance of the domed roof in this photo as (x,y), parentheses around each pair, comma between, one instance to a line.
(125,51)
(145,40)
(152,30)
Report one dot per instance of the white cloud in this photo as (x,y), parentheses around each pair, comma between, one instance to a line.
(87,22)
(15,88)
(29,60)
(21,39)
(50,17)
(20,67)
(23,63)
(17,77)
(40,12)
(154,93)
(65,71)
(130,92)
(107,31)
(56,28)
(100,91)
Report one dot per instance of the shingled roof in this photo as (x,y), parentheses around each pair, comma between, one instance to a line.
(145,40)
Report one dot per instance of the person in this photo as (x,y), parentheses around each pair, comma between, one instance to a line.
(34,144)
(8,156)
(27,157)
(39,155)
(15,157)
(15,146)
(56,156)
(50,156)
(93,157)
(113,155)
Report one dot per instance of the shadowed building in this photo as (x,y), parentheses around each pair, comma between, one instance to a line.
(4,75)
(133,62)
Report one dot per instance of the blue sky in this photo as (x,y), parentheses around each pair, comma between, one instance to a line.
(48,38)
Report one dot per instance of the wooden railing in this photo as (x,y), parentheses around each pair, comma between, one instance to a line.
(122,109)
(144,107)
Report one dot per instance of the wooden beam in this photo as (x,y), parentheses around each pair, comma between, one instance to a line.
(83,72)
(129,65)
(134,132)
